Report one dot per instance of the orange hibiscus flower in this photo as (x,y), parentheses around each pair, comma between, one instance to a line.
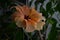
(28,18)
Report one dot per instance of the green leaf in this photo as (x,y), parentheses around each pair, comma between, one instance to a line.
(52,0)
(30,2)
(12,25)
(36,3)
(59,24)
(40,1)
(19,34)
(58,28)
(43,11)
(48,6)
(53,32)
(57,7)
(52,21)
(51,12)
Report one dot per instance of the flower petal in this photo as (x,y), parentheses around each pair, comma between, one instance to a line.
(18,8)
(35,15)
(32,22)
(21,23)
(29,27)
(26,10)
(40,24)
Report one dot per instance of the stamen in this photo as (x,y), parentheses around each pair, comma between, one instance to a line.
(26,17)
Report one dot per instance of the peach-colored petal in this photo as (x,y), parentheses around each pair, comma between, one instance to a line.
(18,8)
(29,27)
(35,15)
(20,18)
(17,16)
(21,23)
(22,9)
(40,24)
(32,22)
(26,10)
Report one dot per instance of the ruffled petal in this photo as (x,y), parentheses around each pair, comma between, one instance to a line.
(21,23)
(40,24)
(26,10)
(29,27)
(35,15)
(18,8)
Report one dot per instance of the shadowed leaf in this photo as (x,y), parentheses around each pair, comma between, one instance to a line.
(42,10)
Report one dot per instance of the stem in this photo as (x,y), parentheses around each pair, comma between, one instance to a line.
(29,36)
(27,2)
(40,35)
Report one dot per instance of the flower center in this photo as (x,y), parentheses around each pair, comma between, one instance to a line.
(26,17)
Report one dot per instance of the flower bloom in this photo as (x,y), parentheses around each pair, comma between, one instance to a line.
(28,18)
